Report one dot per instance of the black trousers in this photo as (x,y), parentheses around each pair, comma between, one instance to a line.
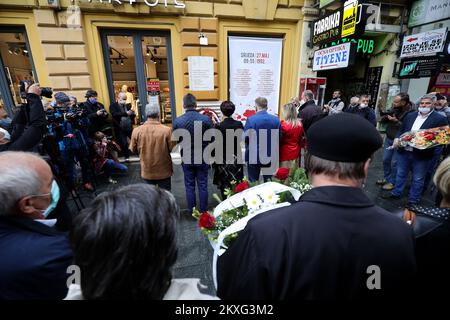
(122,138)
(163,183)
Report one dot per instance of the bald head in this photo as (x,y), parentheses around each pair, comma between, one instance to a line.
(22,174)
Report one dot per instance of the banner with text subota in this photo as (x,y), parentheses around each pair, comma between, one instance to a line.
(255,70)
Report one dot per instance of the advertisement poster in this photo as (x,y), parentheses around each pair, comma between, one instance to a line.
(335,57)
(201,73)
(425,43)
(254,71)
(419,67)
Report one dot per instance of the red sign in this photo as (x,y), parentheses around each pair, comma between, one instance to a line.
(153,86)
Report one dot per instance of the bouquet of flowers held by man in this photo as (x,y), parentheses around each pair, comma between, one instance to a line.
(426,138)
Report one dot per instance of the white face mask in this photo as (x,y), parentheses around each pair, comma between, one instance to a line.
(363,106)
(302,102)
(424,110)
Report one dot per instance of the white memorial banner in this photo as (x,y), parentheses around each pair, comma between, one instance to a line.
(201,73)
(255,71)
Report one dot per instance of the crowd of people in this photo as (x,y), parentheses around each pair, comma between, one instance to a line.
(124,243)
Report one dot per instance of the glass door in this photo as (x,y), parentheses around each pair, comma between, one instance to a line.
(140,65)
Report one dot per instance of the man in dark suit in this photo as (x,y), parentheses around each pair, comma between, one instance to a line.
(334,243)
(262,133)
(123,120)
(415,160)
(34,255)
(96,113)
(309,112)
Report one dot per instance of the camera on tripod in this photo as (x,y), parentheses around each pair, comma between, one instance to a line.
(24,84)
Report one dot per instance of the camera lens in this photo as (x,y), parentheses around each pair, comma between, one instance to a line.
(47,92)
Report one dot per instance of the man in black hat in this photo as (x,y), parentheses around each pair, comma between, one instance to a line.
(96,112)
(334,243)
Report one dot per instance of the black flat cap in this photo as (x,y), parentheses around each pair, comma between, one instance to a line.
(91,93)
(343,137)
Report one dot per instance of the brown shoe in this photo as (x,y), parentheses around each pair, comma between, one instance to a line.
(381,182)
(388,186)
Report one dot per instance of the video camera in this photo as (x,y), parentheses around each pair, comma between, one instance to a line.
(24,84)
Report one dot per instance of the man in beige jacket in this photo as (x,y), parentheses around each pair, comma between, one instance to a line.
(152,141)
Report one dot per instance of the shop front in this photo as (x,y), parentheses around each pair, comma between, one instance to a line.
(157,54)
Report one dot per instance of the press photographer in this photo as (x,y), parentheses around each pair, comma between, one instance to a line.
(29,124)
(96,113)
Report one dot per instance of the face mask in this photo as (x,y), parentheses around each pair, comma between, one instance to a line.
(437,107)
(6,134)
(55,198)
(424,110)
(363,106)
(93,100)
(302,102)
(122,101)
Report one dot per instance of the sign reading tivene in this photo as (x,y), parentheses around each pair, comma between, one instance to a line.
(425,43)
(335,57)
(419,67)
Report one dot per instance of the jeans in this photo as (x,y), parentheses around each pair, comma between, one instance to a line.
(69,157)
(162,183)
(432,167)
(199,173)
(389,161)
(111,165)
(406,162)
(254,171)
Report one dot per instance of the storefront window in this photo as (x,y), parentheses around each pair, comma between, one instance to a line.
(123,69)
(157,76)
(17,66)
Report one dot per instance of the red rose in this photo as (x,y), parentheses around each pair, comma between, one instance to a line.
(206,220)
(241,187)
(282,173)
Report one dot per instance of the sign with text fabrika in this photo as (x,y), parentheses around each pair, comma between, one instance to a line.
(334,57)
(255,71)
(425,43)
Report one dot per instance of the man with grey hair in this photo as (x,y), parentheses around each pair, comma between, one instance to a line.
(346,247)
(123,119)
(309,112)
(152,141)
(34,255)
(259,131)
(412,159)
(194,165)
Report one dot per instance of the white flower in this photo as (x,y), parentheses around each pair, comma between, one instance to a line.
(270,198)
(253,203)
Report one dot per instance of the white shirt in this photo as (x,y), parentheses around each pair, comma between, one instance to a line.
(419,121)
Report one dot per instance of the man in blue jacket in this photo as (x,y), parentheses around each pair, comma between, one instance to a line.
(194,165)
(34,256)
(262,133)
(412,159)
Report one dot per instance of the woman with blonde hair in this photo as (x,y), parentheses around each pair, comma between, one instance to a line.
(291,135)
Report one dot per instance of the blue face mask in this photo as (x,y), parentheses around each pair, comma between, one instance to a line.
(93,100)
(55,198)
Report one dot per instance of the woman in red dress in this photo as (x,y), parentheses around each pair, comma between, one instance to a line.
(291,135)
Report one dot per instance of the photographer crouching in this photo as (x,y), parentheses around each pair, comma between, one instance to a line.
(29,124)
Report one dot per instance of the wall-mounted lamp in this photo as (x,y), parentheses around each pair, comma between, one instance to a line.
(203,39)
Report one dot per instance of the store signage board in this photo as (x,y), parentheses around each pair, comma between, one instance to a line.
(335,57)
(427,11)
(151,3)
(324,3)
(201,73)
(349,17)
(254,71)
(327,28)
(419,67)
(373,81)
(364,46)
(425,43)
